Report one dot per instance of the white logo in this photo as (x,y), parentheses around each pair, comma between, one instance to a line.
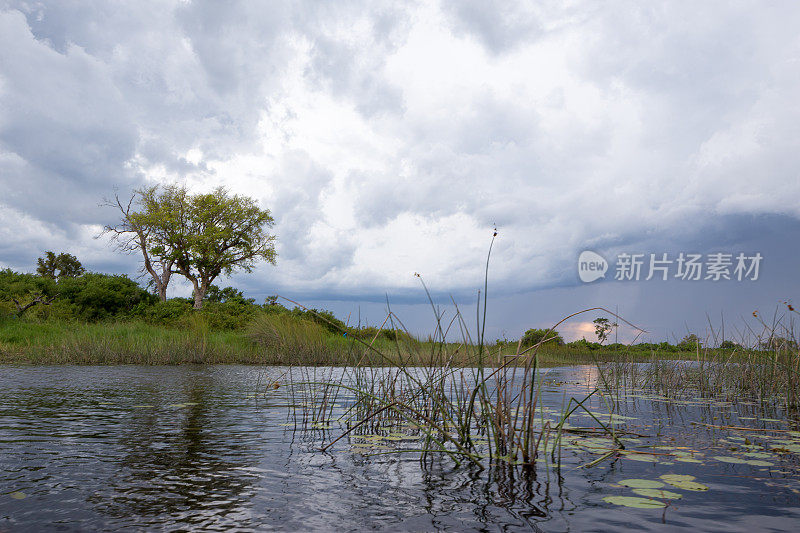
(591,266)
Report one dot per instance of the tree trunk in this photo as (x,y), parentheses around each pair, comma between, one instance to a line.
(199,292)
(162,280)
(198,295)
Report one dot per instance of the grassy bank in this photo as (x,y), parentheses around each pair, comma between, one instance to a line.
(279,339)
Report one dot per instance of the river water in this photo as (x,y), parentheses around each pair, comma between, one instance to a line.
(206,448)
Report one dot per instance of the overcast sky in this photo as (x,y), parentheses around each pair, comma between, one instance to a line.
(391,138)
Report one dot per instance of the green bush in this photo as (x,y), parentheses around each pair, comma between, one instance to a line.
(167,313)
(16,285)
(584,344)
(95,296)
(534,336)
(326,319)
(690,343)
(227,295)
(229,315)
(7,310)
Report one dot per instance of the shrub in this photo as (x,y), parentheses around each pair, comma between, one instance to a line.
(729,345)
(584,344)
(690,343)
(227,295)
(167,313)
(534,336)
(326,319)
(99,296)
(229,315)
(16,285)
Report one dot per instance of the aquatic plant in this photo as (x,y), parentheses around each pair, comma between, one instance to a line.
(460,399)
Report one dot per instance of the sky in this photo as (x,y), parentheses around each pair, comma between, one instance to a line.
(392,138)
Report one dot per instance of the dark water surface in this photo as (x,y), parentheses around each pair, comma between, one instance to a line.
(189,448)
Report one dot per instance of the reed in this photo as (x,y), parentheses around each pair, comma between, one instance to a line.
(464,401)
(763,365)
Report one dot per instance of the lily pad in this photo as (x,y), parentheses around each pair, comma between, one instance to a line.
(635,501)
(758,462)
(18,495)
(688,485)
(644,457)
(641,483)
(758,455)
(656,493)
(728,459)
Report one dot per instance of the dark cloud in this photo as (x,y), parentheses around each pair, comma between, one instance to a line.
(389,138)
(499,25)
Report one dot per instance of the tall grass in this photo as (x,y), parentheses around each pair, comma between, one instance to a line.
(54,342)
(763,365)
(465,401)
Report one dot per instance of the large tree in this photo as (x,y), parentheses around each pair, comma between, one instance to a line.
(205,235)
(134,233)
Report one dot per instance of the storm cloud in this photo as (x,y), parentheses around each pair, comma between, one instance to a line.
(391,138)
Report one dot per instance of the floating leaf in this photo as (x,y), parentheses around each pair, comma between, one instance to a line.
(641,483)
(635,501)
(758,462)
(687,485)
(727,459)
(18,495)
(758,455)
(669,478)
(656,493)
(645,457)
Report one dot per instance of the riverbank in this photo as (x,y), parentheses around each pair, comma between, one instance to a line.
(273,340)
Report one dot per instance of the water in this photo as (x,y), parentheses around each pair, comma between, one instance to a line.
(190,448)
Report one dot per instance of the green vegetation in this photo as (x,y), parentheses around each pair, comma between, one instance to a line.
(59,266)
(60,316)
(544,336)
(102,318)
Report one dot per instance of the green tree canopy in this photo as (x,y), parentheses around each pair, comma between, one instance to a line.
(602,328)
(227,294)
(690,343)
(59,266)
(204,236)
(535,336)
(96,296)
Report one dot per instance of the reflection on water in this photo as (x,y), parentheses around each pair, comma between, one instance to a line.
(88,448)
